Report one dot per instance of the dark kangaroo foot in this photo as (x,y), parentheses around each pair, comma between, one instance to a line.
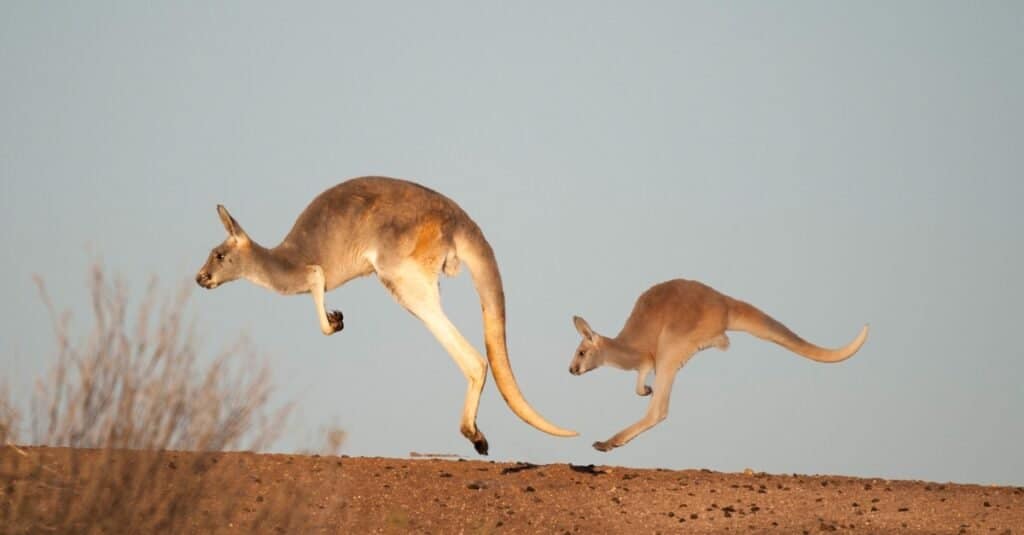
(480,445)
(478,440)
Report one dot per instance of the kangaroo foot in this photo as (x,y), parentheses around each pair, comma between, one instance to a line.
(477,438)
(480,445)
(603,446)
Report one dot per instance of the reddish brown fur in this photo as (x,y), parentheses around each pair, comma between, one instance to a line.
(407,235)
(669,323)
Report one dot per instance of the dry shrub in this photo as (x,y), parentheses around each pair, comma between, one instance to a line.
(119,403)
(10,417)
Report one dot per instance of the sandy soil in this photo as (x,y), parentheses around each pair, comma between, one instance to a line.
(382,495)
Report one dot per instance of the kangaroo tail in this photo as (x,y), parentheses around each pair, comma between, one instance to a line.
(746,317)
(474,250)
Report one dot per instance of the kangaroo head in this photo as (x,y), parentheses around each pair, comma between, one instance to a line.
(589,354)
(231,259)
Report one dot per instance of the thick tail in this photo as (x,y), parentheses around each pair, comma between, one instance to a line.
(746,317)
(474,250)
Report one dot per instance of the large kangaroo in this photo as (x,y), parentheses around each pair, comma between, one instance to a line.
(408,235)
(671,322)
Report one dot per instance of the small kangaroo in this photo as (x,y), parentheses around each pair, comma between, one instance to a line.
(671,322)
(408,235)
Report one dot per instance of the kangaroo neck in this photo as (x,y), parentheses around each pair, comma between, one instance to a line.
(277,270)
(619,354)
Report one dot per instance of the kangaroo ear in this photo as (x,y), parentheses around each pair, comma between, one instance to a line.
(230,225)
(583,327)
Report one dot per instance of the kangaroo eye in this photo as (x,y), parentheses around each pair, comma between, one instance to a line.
(219,256)
(580,353)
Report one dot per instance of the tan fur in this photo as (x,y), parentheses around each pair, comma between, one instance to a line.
(407,235)
(672,321)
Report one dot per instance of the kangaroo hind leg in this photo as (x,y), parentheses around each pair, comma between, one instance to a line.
(667,363)
(418,292)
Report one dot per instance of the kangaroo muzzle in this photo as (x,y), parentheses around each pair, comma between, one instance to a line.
(203,279)
(580,368)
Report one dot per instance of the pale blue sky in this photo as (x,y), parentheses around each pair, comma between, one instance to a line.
(832,163)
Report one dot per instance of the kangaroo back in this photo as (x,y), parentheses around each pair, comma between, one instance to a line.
(746,317)
(473,249)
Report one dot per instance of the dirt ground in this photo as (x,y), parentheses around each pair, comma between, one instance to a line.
(429,495)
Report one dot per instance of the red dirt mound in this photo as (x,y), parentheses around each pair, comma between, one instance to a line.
(377,495)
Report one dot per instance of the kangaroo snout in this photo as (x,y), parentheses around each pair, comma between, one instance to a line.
(203,279)
(580,368)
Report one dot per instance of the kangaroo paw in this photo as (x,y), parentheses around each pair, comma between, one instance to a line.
(336,319)
(480,445)
(645,392)
(477,438)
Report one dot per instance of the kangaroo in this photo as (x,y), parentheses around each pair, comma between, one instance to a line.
(407,235)
(670,323)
